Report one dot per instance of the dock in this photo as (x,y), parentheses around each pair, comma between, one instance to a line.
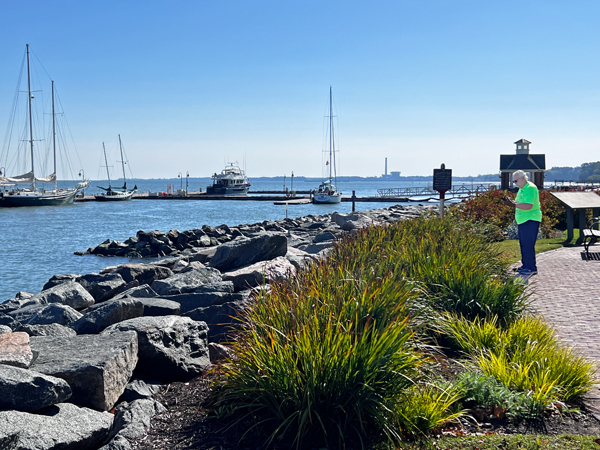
(280,199)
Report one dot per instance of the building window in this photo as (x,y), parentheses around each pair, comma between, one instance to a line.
(519,146)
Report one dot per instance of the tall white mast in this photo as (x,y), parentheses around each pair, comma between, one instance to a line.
(54,138)
(106,162)
(30,120)
(122,163)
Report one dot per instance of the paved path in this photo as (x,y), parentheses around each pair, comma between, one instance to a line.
(566,292)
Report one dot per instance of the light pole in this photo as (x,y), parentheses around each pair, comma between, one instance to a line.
(292,188)
(187,176)
(181,181)
(283,183)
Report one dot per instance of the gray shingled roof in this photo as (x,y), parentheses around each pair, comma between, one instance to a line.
(523,162)
(522,141)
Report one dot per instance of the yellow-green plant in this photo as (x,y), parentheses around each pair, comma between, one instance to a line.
(526,357)
(427,407)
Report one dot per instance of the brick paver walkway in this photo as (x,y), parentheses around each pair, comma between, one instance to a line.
(566,292)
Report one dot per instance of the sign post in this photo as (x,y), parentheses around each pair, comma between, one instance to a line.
(442,182)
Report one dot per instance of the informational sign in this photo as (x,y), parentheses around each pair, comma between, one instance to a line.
(442,182)
(442,179)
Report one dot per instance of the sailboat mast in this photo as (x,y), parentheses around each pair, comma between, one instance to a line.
(54,137)
(330,132)
(123,164)
(106,162)
(30,119)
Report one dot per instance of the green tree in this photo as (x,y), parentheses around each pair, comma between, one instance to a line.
(590,172)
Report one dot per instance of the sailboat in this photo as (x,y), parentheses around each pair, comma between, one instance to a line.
(326,192)
(10,194)
(115,194)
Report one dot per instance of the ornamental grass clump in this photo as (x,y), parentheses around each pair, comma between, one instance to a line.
(456,270)
(331,357)
(324,358)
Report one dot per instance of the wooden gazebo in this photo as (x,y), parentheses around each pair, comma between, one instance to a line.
(534,165)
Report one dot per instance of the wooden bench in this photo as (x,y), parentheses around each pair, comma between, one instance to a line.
(591,234)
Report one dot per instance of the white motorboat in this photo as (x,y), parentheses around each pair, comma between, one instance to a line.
(231,181)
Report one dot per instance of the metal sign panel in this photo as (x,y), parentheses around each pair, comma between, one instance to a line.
(442,179)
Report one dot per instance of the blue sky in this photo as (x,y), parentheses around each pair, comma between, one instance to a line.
(190,85)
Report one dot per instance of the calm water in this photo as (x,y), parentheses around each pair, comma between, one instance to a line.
(38,242)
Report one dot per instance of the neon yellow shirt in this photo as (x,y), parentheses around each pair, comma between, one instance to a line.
(528,194)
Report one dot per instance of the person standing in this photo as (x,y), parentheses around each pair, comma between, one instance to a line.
(528,216)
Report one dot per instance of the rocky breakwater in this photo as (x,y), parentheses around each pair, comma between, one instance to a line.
(80,360)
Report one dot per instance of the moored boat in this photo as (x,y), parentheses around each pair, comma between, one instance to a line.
(231,181)
(111,194)
(11,195)
(327,193)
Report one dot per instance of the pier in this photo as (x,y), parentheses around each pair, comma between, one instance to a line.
(280,199)
(389,195)
(427,192)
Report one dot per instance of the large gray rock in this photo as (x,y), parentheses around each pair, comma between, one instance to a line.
(26,390)
(15,349)
(63,426)
(97,367)
(139,389)
(354,221)
(52,329)
(143,291)
(222,319)
(245,251)
(101,315)
(144,273)
(59,279)
(53,313)
(277,269)
(195,300)
(9,321)
(159,307)
(5,329)
(102,286)
(171,348)
(14,303)
(117,443)
(69,293)
(299,258)
(315,248)
(186,281)
(133,419)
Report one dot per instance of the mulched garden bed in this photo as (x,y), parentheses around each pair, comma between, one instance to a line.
(187,425)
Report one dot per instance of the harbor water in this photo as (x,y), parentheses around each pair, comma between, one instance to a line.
(38,242)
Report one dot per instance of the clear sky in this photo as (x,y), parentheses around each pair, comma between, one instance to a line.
(190,85)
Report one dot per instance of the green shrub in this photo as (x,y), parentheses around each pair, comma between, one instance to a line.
(495,398)
(485,210)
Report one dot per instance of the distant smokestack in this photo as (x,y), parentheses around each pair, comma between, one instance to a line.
(386,167)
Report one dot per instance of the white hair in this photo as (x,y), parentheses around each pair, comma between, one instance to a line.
(519,173)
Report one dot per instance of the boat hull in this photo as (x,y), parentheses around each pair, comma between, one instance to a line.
(18,199)
(116,197)
(325,199)
(220,190)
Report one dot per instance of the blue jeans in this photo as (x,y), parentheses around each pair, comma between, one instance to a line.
(528,232)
